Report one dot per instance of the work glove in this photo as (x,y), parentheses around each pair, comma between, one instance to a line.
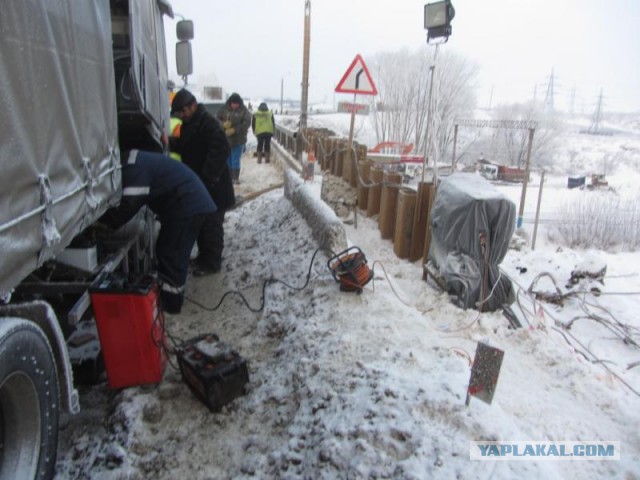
(226,124)
(229,131)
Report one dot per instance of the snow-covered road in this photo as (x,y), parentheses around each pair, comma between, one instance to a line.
(345,385)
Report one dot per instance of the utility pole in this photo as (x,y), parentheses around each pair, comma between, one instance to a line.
(535,225)
(305,75)
(572,101)
(491,97)
(597,117)
(548,97)
(526,179)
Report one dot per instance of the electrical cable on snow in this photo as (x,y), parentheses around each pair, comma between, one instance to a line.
(492,290)
(373,267)
(423,311)
(176,342)
(454,330)
(564,332)
(617,328)
(463,353)
(266,282)
(633,365)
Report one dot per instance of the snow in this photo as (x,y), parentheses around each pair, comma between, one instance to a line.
(373,385)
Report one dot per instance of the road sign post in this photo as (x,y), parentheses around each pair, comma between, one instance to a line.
(356,80)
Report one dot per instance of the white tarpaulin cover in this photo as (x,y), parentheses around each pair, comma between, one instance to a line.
(467,207)
(58,128)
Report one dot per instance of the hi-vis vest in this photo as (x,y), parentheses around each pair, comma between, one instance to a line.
(264,122)
(175,124)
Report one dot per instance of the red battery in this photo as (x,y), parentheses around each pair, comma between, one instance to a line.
(131,330)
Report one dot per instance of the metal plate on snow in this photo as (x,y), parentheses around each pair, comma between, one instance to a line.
(484,373)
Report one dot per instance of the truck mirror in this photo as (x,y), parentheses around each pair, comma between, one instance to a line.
(184,59)
(184,30)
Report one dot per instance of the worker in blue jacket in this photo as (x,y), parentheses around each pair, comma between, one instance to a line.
(180,200)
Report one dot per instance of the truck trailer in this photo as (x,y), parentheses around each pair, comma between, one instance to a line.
(80,82)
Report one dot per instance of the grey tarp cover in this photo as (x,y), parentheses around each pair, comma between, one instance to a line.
(467,205)
(58,128)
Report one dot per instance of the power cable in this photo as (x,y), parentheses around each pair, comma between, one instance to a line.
(266,282)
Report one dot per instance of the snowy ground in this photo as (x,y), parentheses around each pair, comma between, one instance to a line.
(372,385)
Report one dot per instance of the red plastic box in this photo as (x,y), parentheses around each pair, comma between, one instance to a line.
(131,330)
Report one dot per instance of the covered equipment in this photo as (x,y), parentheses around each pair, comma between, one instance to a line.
(472,224)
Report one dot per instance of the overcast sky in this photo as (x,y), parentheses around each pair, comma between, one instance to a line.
(252,46)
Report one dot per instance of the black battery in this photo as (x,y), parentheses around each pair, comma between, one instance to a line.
(214,372)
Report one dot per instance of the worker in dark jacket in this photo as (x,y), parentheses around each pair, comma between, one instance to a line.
(181,202)
(204,148)
(236,120)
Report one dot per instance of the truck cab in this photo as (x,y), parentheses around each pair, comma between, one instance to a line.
(213,99)
(488,171)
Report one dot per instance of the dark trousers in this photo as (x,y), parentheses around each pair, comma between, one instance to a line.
(173,248)
(264,142)
(211,240)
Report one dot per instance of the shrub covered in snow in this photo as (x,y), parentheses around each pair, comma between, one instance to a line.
(606,222)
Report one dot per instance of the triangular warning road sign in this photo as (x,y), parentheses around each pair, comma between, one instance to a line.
(357,79)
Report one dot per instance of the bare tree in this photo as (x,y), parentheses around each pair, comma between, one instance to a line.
(455,98)
(512,143)
(400,109)
(393,110)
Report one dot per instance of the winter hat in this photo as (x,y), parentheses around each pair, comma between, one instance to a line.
(234,98)
(263,107)
(182,99)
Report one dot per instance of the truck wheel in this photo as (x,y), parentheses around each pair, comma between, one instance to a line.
(29,402)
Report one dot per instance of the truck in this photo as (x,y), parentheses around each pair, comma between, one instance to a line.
(502,173)
(80,82)
(212,98)
(598,180)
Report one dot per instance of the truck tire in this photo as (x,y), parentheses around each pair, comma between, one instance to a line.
(29,402)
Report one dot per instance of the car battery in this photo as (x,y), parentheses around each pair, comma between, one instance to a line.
(131,330)
(214,372)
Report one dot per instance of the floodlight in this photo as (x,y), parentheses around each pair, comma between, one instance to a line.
(437,19)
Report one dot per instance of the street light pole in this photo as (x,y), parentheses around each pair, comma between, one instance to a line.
(281,93)
(427,150)
(437,22)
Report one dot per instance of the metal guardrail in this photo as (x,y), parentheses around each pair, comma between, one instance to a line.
(288,139)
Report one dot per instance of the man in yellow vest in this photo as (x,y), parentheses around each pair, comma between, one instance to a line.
(263,125)
(175,125)
(175,122)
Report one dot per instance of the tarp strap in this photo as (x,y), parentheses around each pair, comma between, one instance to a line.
(115,163)
(90,182)
(50,234)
